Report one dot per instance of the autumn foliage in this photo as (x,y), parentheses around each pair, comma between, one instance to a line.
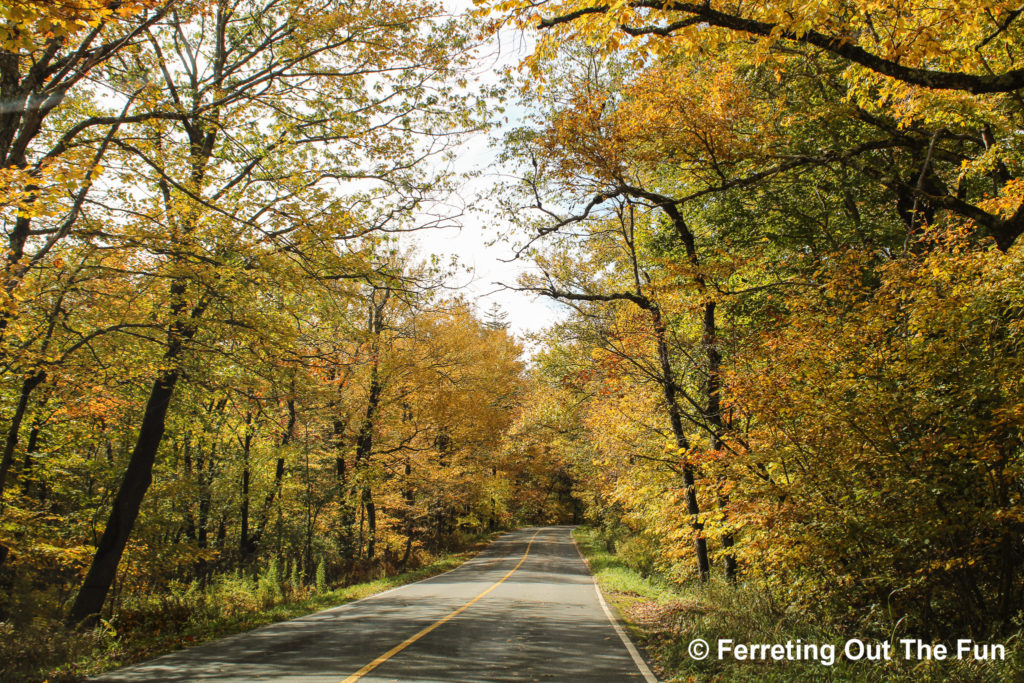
(220,363)
(789,236)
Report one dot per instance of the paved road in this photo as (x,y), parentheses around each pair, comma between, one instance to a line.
(524,609)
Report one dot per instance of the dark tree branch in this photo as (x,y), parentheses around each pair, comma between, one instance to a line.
(841,46)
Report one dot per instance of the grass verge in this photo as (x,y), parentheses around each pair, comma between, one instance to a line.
(664,618)
(45,650)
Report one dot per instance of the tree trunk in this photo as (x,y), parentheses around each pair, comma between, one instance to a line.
(713,406)
(190,517)
(27,386)
(203,479)
(275,490)
(407,553)
(409,498)
(371,523)
(136,481)
(668,386)
(26,466)
(139,474)
(715,422)
(246,544)
(364,446)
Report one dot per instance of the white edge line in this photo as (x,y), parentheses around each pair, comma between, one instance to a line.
(645,670)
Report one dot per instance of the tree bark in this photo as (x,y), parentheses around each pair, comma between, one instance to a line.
(136,481)
(364,446)
(364,440)
(410,500)
(27,386)
(713,383)
(275,490)
(139,474)
(715,422)
(246,546)
(30,448)
(668,386)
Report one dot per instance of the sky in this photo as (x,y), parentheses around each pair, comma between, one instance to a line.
(489,264)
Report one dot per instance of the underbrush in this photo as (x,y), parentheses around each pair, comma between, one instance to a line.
(145,626)
(665,618)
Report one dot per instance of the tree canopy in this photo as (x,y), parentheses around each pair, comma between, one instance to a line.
(786,237)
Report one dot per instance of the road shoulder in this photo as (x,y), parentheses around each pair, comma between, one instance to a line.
(615,617)
(138,648)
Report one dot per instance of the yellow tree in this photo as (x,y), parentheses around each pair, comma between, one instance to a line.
(53,136)
(338,92)
(935,81)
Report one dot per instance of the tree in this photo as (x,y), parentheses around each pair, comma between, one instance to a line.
(223,199)
(496,317)
(46,52)
(780,189)
(944,46)
(934,84)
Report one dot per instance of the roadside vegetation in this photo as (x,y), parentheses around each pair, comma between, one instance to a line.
(786,237)
(188,615)
(664,616)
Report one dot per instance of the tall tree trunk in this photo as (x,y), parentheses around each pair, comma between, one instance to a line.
(246,546)
(1009,556)
(668,386)
(203,479)
(275,490)
(716,425)
(712,388)
(136,481)
(346,506)
(190,517)
(364,446)
(364,440)
(492,523)
(139,474)
(11,442)
(31,447)
(371,523)
(362,522)
(409,499)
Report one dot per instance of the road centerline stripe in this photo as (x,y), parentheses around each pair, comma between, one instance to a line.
(412,639)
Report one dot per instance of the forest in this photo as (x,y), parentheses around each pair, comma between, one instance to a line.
(785,392)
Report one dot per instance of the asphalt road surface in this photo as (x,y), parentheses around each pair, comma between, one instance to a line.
(524,609)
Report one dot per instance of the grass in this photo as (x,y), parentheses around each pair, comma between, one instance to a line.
(665,617)
(44,650)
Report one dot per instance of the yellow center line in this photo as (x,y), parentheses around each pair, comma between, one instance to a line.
(412,639)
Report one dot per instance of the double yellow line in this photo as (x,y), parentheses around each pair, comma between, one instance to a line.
(412,639)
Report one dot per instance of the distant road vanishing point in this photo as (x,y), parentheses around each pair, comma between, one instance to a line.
(524,609)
